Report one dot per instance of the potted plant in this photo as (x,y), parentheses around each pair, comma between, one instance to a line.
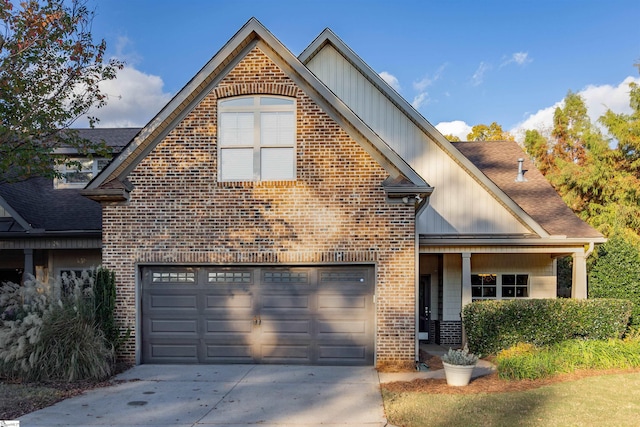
(458,366)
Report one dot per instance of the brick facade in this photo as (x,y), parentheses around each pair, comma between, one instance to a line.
(334,212)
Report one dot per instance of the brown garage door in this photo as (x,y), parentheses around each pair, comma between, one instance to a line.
(303,315)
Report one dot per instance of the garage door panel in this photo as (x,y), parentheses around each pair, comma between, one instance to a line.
(229,326)
(285,353)
(279,327)
(170,326)
(229,301)
(229,353)
(328,353)
(300,302)
(173,353)
(334,327)
(337,301)
(173,301)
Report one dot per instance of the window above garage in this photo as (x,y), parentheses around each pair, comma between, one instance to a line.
(256,136)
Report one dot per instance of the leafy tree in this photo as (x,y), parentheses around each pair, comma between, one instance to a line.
(538,147)
(452,138)
(50,69)
(625,128)
(493,132)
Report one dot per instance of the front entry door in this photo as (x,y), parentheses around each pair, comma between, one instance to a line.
(424,307)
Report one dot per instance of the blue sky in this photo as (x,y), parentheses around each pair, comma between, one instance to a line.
(460,63)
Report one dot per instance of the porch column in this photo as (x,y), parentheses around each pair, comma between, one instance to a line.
(579,281)
(28,263)
(466,278)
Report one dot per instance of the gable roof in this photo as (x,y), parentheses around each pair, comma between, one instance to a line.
(111,182)
(499,162)
(327,37)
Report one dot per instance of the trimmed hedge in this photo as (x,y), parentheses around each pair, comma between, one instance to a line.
(492,326)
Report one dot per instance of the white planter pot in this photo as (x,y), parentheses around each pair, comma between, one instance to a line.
(457,375)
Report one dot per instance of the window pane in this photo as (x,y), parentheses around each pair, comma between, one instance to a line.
(508,279)
(236,164)
(78,177)
(275,101)
(236,129)
(522,279)
(237,102)
(102,163)
(277,164)
(277,128)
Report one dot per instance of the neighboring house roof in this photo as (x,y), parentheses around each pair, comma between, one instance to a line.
(252,33)
(47,209)
(499,162)
(37,207)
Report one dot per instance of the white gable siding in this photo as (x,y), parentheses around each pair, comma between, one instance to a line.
(459,204)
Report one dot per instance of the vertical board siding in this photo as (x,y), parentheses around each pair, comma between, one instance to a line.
(456,193)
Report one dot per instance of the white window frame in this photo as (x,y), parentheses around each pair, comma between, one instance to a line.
(499,287)
(255,146)
(95,166)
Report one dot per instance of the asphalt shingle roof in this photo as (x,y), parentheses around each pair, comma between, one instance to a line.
(51,209)
(499,162)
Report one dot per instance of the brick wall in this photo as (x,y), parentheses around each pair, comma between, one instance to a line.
(335,211)
(450,333)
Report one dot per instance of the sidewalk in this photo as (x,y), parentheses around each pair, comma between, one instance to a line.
(481,369)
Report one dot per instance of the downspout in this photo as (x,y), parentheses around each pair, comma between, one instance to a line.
(422,205)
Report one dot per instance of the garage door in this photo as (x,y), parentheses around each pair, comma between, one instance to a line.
(302,315)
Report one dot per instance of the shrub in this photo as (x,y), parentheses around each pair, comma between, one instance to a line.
(492,326)
(525,361)
(616,273)
(460,357)
(49,332)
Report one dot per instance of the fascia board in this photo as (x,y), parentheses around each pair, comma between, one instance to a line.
(15,215)
(329,37)
(488,241)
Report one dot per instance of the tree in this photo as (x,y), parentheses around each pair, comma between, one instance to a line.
(493,132)
(50,69)
(452,138)
(625,129)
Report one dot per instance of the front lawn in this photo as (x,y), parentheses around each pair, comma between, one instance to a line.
(611,399)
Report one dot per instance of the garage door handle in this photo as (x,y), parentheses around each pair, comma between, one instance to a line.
(257,320)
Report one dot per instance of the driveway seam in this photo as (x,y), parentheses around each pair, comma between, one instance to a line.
(225,395)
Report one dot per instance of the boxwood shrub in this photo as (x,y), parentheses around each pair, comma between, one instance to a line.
(491,326)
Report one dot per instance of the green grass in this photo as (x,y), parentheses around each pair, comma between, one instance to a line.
(607,400)
(525,361)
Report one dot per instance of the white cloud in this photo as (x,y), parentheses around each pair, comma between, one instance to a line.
(420,99)
(519,58)
(478,76)
(391,80)
(598,100)
(133,99)
(427,80)
(457,128)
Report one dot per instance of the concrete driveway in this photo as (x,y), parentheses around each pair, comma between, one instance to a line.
(225,395)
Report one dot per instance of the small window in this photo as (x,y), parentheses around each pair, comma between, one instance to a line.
(78,177)
(483,286)
(515,286)
(256,139)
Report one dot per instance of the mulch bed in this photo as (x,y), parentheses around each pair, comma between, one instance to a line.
(486,384)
